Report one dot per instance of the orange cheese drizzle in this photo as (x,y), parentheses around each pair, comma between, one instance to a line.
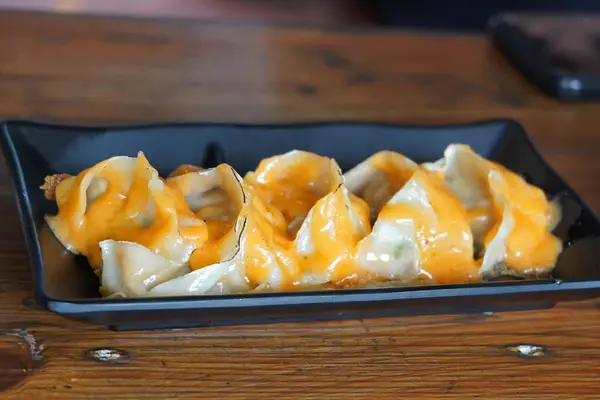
(443,236)
(397,170)
(530,246)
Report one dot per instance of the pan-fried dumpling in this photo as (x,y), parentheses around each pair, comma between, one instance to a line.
(327,239)
(520,243)
(421,233)
(379,177)
(510,218)
(75,197)
(123,199)
(293,183)
(323,219)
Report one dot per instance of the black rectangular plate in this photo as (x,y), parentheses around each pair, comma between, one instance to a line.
(66,285)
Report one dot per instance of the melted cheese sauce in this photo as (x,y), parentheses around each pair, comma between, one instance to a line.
(335,237)
(219,233)
(530,247)
(397,168)
(292,183)
(443,236)
(528,199)
(268,247)
(379,177)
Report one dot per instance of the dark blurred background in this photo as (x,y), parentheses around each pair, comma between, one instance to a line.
(469,15)
(463,15)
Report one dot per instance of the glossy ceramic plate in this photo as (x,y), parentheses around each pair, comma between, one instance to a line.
(65,284)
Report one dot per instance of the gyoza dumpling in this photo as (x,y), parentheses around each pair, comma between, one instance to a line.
(326,242)
(123,199)
(75,196)
(379,177)
(510,218)
(421,233)
(520,243)
(293,183)
(323,218)
(246,249)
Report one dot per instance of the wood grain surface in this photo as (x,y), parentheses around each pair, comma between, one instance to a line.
(93,70)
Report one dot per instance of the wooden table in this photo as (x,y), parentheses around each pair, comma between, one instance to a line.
(98,71)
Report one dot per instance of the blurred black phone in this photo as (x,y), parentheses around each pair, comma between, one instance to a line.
(560,54)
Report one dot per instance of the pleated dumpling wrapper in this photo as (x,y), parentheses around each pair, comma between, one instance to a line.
(246,250)
(510,218)
(326,242)
(422,233)
(123,199)
(379,177)
(323,219)
(293,183)
(132,270)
